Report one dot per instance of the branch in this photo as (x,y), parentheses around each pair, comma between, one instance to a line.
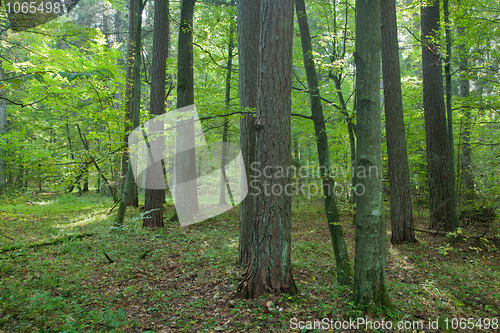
(324,100)
(12,239)
(485,144)
(46,243)
(210,55)
(109,259)
(24,105)
(443,233)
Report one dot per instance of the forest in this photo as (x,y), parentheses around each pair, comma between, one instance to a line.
(249,166)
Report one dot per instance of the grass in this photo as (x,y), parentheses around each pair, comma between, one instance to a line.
(182,279)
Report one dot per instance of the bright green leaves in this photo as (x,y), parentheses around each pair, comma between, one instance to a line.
(100,74)
(16,82)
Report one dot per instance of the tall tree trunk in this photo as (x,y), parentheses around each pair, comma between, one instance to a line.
(225,126)
(466,152)
(248,21)
(369,263)
(185,163)
(129,96)
(129,176)
(344,269)
(270,268)
(154,199)
(3,131)
(436,136)
(449,117)
(399,179)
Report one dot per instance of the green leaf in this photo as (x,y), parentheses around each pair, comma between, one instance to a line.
(71,76)
(38,77)
(15,82)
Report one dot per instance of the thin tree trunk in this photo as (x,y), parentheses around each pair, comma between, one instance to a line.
(449,117)
(3,131)
(436,136)
(466,152)
(270,269)
(337,78)
(185,163)
(344,269)
(399,179)
(225,125)
(154,198)
(369,263)
(248,21)
(129,176)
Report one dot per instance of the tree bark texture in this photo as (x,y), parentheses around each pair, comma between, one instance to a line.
(344,269)
(185,164)
(248,22)
(369,265)
(129,96)
(269,269)
(399,179)
(154,199)
(436,136)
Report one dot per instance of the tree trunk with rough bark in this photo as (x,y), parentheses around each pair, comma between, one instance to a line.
(399,179)
(130,97)
(185,163)
(436,135)
(154,198)
(248,21)
(270,269)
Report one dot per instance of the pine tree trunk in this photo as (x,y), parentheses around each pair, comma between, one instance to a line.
(399,179)
(369,265)
(270,269)
(344,269)
(436,136)
(248,20)
(185,163)
(155,198)
(130,97)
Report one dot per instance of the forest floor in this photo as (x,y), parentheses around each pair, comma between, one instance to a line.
(183,279)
